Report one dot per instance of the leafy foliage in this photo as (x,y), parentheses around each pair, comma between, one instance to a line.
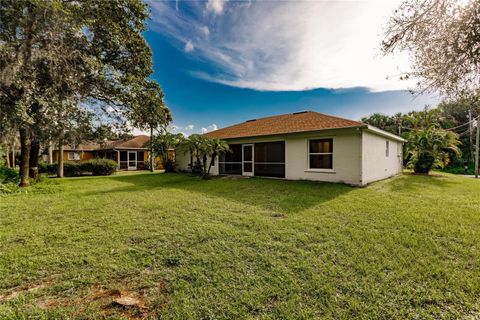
(95,167)
(443,40)
(449,115)
(63,63)
(8,175)
(428,148)
(162,143)
(202,149)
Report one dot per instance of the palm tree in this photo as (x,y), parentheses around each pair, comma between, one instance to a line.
(194,144)
(429,148)
(215,148)
(161,145)
(202,148)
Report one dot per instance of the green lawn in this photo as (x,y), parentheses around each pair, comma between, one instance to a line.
(407,247)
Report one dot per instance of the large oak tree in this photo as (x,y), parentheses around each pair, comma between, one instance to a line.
(59,56)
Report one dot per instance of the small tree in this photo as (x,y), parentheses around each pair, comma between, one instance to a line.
(213,148)
(161,145)
(194,144)
(428,148)
(201,149)
(150,113)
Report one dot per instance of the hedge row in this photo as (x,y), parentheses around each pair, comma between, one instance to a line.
(95,167)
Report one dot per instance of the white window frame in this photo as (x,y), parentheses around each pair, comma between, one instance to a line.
(74,156)
(327,170)
(387,148)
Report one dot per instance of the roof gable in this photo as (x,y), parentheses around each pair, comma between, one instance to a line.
(284,124)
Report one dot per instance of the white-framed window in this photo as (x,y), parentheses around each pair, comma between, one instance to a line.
(320,154)
(387,148)
(73,156)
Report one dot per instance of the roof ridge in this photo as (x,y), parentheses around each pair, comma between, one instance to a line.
(336,117)
(277,115)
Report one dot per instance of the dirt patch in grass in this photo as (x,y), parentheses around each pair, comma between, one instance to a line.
(23,289)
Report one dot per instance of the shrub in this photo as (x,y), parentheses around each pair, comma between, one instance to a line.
(102,167)
(95,167)
(71,169)
(460,169)
(9,175)
(47,168)
(170,165)
(430,148)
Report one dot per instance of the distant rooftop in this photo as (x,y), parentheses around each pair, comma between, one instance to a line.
(136,142)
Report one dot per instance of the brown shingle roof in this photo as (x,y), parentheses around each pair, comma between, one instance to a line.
(137,142)
(82,146)
(282,124)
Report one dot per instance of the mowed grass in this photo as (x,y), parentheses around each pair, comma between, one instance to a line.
(403,248)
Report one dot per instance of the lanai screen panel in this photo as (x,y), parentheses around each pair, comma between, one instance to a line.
(231,162)
(270,159)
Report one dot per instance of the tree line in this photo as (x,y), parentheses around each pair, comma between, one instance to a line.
(436,137)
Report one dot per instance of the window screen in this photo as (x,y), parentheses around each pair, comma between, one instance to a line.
(270,159)
(320,153)
(231,162)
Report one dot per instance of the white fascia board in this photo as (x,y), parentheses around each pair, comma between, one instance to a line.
(385,134)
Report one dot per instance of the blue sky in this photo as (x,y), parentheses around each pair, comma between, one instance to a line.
(223,62)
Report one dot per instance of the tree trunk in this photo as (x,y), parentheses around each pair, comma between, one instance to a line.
(60,160)
(14,147)
(6,149)
(50,153)
(205,173)
(151,149)
(212,163)
(25,144)
(34,157)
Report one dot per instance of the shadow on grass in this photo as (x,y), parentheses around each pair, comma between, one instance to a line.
(409,182)
(270,194)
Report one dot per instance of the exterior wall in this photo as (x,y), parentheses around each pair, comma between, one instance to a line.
(182,159)
(376,165)
(358,156)
(346,155)
(84,155)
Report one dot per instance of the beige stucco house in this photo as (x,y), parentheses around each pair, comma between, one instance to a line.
(307,145)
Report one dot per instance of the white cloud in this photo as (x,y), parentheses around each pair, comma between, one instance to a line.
(188,46)
(215,6)
(210,128)
(185,130)
(205,30)
(282,46)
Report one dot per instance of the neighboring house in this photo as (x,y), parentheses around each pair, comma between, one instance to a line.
(307,145)
(130,154)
